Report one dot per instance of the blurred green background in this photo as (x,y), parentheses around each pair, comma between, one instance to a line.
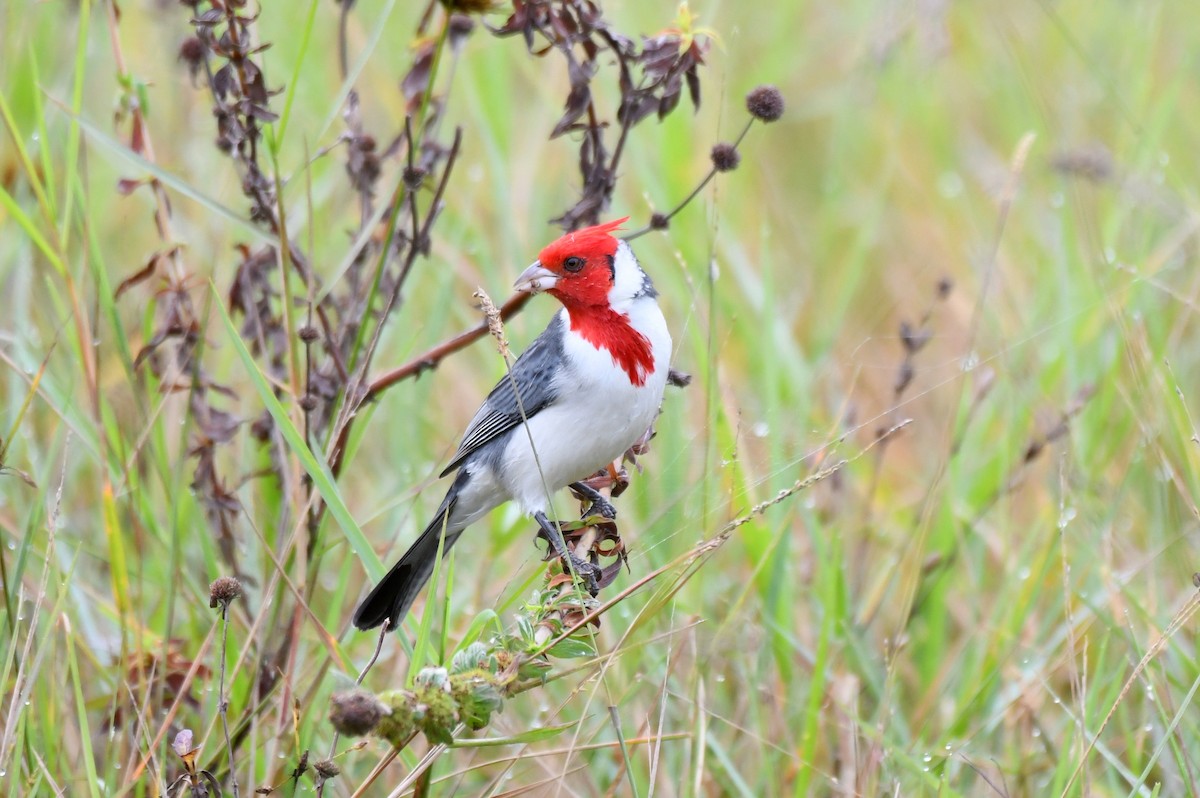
(960,610)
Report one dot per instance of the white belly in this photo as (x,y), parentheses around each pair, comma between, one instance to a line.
(598,416)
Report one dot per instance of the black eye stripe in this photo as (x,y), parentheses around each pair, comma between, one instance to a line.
(573,264)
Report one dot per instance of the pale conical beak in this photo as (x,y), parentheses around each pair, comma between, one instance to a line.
(535,279)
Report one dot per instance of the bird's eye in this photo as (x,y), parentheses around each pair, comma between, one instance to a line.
(573,264)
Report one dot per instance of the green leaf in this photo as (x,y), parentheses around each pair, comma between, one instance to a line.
(479,626)
(524,738)
(316,467)
(572,647)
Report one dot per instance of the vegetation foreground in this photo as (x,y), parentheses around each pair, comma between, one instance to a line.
(920,514)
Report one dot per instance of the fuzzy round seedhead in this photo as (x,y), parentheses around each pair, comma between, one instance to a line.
(725,157)
(765,103)
(659,221)
(223,591)
(413,176)
(308,334)
(460,25)
(355,712)
(191,52)
(327,769)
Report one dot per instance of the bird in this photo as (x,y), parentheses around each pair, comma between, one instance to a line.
(585,391)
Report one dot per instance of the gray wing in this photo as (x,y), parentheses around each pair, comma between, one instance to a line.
(534,372)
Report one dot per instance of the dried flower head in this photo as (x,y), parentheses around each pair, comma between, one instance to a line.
(659,221)
(355,712)
(223,591)
(191,52)
(460,28)
(725,157)
(308,334)
(413,177)
(327,769)
(765,103)
(362,163)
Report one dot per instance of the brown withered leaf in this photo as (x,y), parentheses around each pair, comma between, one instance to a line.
(137,136)
(223,81)
(160,337)
(144,273)
(577,104)
(128,185)
(141,275)
(416,81)
(693,84)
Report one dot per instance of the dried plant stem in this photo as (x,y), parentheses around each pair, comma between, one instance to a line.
(387,626)
(1181,617)
(224,703)
(712,172)
(706,547)
(431,358)
(418,246)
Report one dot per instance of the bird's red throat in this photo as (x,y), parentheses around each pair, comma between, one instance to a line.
(607,329)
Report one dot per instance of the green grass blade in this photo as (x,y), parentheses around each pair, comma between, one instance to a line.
(315,467)
(182,187)
(85,734)
(290,92)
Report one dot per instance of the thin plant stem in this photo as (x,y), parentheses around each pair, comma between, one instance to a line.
(224,703)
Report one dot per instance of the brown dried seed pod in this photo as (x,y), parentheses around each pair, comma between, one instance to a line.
(355,712)
(223,590)
(725,157)
(765,103)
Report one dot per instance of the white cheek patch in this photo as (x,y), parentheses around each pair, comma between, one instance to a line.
(629,281)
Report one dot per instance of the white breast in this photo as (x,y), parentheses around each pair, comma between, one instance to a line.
(599,414)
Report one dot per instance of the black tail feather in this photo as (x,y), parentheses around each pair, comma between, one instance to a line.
(392,597)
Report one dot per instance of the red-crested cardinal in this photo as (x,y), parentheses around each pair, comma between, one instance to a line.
(587,389)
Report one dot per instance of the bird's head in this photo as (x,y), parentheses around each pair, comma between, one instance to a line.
(587,268)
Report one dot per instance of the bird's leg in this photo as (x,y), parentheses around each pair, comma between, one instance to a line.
(589,572)
(599,506)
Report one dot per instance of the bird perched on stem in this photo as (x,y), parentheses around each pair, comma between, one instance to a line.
(583,392)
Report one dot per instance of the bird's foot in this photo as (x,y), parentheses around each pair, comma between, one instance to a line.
(599,504)
(589,572)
